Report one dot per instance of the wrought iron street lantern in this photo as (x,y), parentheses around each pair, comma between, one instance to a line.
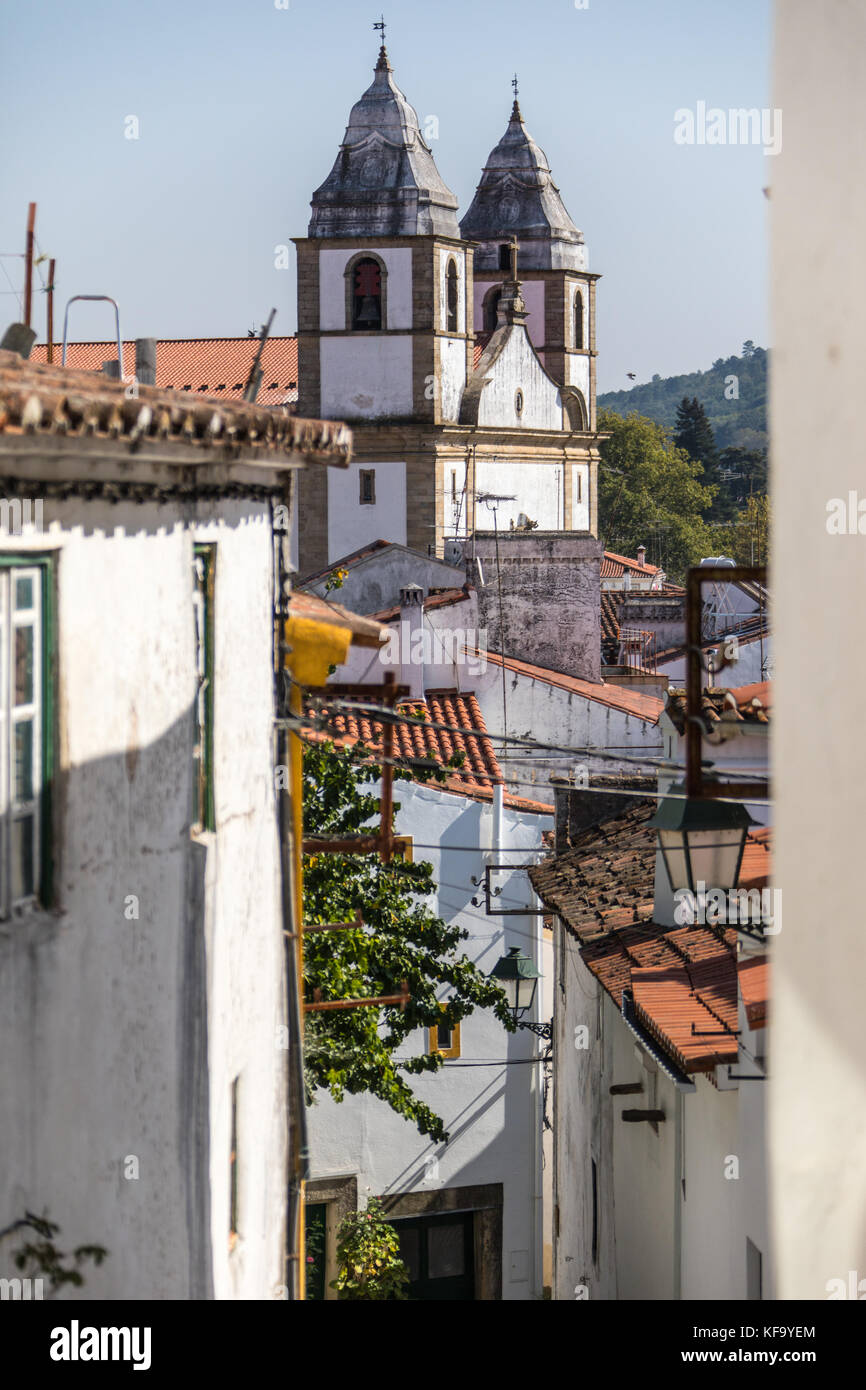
(701,840)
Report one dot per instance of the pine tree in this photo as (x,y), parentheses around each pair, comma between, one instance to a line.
(694,433)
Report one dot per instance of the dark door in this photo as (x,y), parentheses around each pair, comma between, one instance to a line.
(440,1254)
(316,1235)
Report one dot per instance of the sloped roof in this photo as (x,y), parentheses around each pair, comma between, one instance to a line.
(754,977)
(682,980)
(635,702)
(215,367)
(614,566)
(440,598)
(38,398)
(417,740)
(745,704)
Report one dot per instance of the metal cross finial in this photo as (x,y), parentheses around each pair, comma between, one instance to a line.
(514,85)
(380,24)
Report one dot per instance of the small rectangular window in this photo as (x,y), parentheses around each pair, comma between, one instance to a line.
(204,564)
(444,1038)
(453,484)
(26,738)
(368,486)
(579,487)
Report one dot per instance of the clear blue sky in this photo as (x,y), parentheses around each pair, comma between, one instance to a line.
(242,107)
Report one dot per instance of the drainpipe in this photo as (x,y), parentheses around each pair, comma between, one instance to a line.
(498,804)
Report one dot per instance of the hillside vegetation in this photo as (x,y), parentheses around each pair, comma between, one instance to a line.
(736,409)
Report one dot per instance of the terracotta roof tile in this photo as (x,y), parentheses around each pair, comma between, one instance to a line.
(215,367)
(745,704)
(614,566)
(754,978)
(40,398)
(683,979)
(417,740)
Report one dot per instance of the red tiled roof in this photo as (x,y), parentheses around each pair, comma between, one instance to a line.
(746,704)
(38,397)
(613,566)
(683,979)
(417,741)
(481,341)
(756,869)
(215,367)
(443,598)
(754,978)
(636,702)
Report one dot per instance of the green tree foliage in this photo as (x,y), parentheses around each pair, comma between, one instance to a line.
(354,1050)
(693,433)
(651,493)
(733,391)
(368,1255)
(747,539)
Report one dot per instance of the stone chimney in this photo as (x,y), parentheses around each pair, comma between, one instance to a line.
(641,555)
(412,639)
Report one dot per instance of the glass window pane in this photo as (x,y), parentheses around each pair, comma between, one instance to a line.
(445,1250)
(23,834)
(24,760)
(24,592)
(23,665)
(410,1249)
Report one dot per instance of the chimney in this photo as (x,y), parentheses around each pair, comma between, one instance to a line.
(412,639)
(145,361)
(641,555)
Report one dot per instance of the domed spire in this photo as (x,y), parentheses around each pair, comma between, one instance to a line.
(517,197)
(384,181)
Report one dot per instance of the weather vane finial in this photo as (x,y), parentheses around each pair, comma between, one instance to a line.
(380,24)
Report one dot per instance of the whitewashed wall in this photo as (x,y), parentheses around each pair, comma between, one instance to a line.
(351,523)
(537,489)
(518,367)
(550,714)
(366,376)
(452,376)
(121,1036)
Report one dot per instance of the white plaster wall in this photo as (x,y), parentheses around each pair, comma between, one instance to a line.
(645,1179)
(492,1111)
(459,258)
(366,376)
(578,374)
(580,487)
(818,1092)
(752,667)
(332,285)
(121,1037)
(713,1238)
(517,366)
(550,714)
(352,524)
(452,376)
(538,490)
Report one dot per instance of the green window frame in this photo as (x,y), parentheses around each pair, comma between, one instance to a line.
(28,666)
(204,570)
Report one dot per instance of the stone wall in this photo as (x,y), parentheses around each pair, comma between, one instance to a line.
(550,599)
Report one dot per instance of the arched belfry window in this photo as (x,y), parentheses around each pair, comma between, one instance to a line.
(491,307)
(366,295)
(578,319)
(451,297)
(505,255)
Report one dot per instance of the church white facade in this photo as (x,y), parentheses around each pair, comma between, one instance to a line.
(461,354)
